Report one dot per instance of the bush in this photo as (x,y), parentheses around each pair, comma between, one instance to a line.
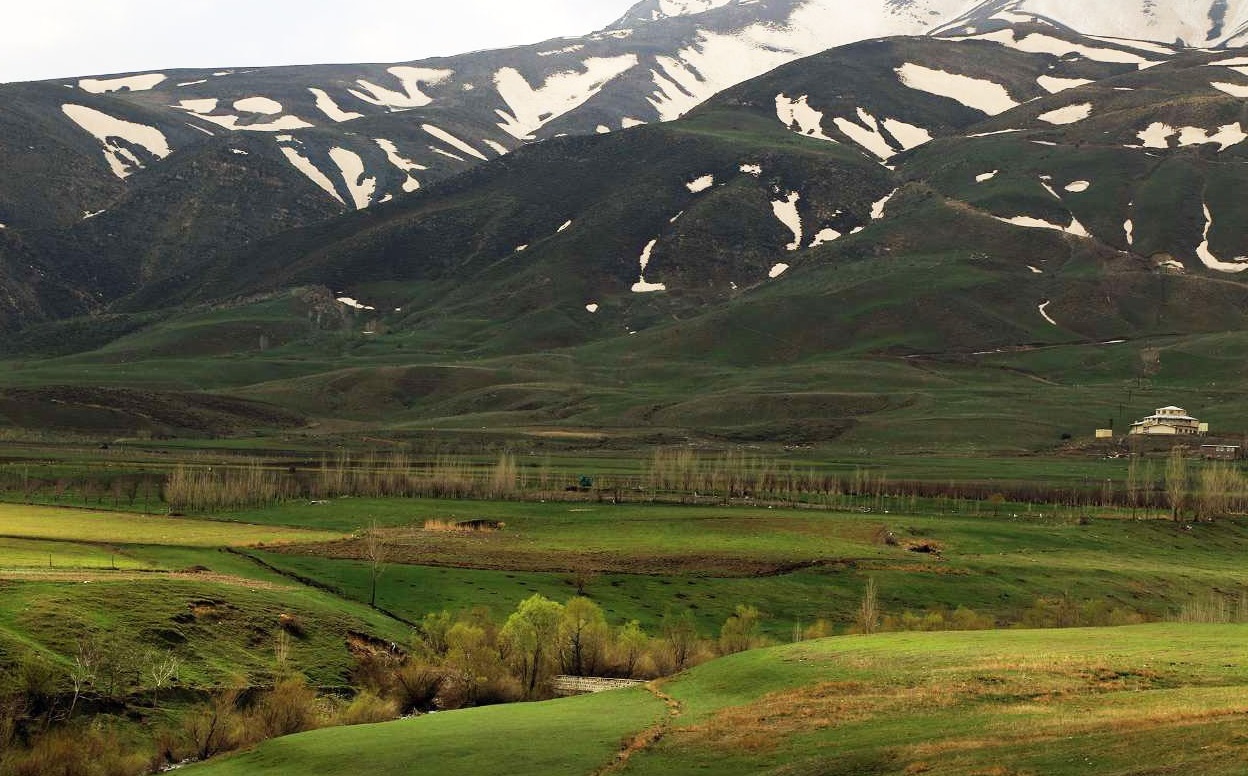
(215,727)
(290,707)
(414,686)
(73,751)
(367,709)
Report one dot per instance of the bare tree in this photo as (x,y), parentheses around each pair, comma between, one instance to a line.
(82,670)
(375,552)
(869,608)
(161,670)
(1176,482)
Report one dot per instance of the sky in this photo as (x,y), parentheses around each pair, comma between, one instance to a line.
(59,38)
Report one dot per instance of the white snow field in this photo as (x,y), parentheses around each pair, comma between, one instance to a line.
(108,130)
(978,93)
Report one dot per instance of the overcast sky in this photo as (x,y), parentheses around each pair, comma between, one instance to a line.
(56,38)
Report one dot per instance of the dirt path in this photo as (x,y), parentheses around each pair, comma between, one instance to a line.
(104,575)
(647,738)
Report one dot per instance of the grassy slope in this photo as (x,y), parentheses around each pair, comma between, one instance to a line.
(572,736)
(1129,700)
(123,576)
(1145,699)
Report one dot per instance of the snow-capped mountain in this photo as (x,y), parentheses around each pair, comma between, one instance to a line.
(1195,23)
(364,134)
(112,181)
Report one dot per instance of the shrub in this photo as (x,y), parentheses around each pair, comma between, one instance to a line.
(367,709)
(74,751)
(290,707)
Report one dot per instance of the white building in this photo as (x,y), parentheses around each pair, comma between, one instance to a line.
(1169,421)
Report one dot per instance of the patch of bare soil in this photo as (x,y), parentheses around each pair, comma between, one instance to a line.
(498,551)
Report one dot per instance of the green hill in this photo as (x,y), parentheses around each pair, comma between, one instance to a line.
(1142,699)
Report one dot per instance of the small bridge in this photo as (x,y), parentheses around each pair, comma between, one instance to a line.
(584,685)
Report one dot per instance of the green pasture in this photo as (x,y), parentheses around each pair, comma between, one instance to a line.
(794,565)
(76,525)
(36,554)
(1134,700)
(572,736)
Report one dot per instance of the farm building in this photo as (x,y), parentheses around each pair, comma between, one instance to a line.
(1169,421)
(1220,452)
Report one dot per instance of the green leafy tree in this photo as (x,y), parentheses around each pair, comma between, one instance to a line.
(632,643)
(584,637)
(530,639)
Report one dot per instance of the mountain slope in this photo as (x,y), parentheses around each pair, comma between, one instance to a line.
(190,154)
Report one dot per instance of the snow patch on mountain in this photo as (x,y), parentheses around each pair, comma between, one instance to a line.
(411,79)
(447,154)
(533,107)
(869,135)
(825,235)
(117,136)
(1077,187)
(1197,22)
(1053,84)
(984,177)
(1235,90)
(699,185)
(1226,136)
(361,187)
(205,108)
(1031,222)
(327,105)
(1068,115)
(406,165)
(313,173)
(798,116)
(978,93)
(909,135)
(642,286)
(1206,256)
(1156,135)
(451,140)
(261,105)
(498,147)
(1039,43)
(877,207)
(670,8)
(127,83)
(354,303)
(786,213)
(777,271)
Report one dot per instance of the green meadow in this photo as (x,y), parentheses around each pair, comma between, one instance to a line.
(1140,699)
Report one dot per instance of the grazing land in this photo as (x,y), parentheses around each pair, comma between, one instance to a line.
(1141,699)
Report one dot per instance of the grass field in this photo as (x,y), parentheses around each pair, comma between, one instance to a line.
(162,584)
(573,736)
(1142,699)
(795,566)
(72,525)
